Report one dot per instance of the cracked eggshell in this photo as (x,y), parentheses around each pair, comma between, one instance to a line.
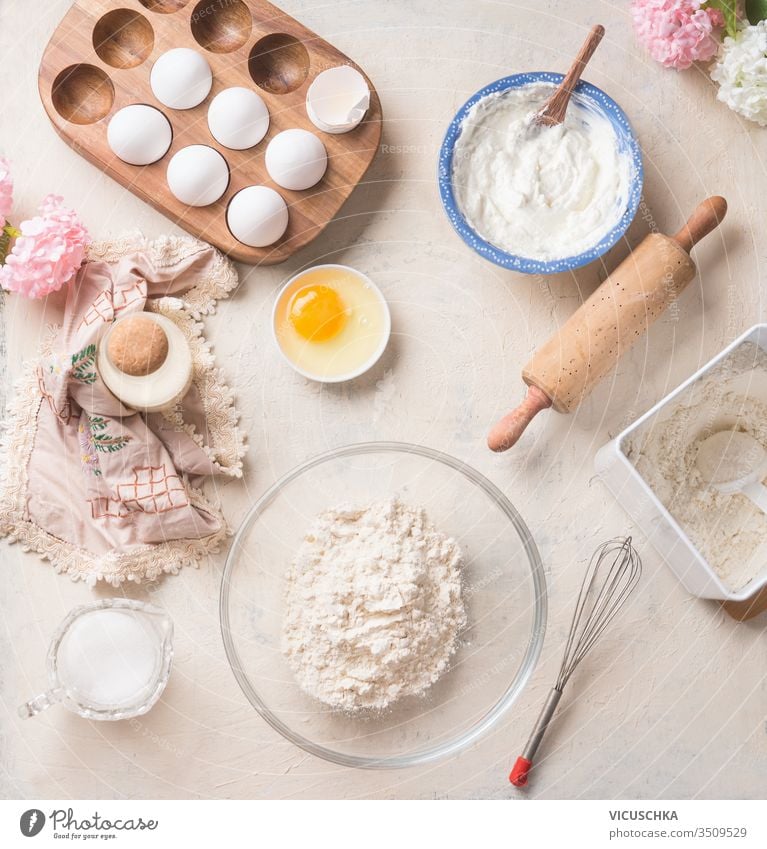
(338,99)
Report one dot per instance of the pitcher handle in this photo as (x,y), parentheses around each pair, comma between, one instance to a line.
(40,703)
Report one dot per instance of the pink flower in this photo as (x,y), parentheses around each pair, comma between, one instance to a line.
(6,191)
(48,253)
(677,32)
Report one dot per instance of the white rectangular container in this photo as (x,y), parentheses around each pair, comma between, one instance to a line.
(636,497)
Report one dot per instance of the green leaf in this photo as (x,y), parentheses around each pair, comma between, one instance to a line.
(109,444)
(7,235)
(87,354)
(756,10)
(103,442)
(83,365)
(729,9)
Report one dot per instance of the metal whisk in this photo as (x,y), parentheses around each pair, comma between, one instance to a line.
(613,572)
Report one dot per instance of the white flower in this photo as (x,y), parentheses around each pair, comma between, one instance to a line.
(741,72)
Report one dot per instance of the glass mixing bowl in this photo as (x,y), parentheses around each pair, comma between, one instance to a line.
(504,592)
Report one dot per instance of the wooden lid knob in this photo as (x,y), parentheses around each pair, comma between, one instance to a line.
(137,346)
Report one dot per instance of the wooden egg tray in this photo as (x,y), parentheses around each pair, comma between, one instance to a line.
(99,60)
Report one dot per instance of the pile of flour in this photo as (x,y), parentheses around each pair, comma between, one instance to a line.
(728,529)
(373,605)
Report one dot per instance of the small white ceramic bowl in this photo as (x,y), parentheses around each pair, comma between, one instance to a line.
(148,393)
(385,335)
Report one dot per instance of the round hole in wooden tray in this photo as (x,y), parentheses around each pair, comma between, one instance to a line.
(222,26)
(82,94)
(123,38)
(278,63)
(164,7)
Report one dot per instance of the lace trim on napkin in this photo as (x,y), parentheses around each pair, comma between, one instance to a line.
(226,448)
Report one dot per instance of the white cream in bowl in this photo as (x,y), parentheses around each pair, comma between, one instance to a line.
(541,193)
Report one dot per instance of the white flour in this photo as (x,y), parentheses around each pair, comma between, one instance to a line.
(728,530)
(373,605)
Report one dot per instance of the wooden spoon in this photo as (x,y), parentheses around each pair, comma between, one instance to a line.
(553,112)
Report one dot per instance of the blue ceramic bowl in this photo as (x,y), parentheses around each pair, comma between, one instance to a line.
(627,142)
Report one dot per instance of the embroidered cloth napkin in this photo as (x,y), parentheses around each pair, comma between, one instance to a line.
(101,492)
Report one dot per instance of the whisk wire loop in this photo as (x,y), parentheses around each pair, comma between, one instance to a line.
(611,576)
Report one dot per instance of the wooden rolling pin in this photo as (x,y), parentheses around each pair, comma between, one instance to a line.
(586,348)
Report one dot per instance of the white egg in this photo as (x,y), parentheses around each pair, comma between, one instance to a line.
(238,118)
(181,78)
(257,216)
(296,159)
(197,175)
(139,134)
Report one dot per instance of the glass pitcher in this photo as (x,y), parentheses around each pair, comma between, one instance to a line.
(108,660)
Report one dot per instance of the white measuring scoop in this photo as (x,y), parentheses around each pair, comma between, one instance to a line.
(732,461)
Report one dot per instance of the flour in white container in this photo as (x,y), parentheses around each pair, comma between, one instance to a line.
(727,529)
(373,605)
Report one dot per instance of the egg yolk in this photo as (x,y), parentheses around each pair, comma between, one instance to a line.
(317,313)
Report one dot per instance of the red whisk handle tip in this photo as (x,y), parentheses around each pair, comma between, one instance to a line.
(518,775)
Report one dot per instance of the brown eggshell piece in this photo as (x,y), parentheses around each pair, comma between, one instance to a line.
(137,346)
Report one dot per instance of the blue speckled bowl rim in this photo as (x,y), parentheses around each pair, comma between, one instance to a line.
(489,251)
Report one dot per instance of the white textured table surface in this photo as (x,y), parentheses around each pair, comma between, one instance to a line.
(672,702)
